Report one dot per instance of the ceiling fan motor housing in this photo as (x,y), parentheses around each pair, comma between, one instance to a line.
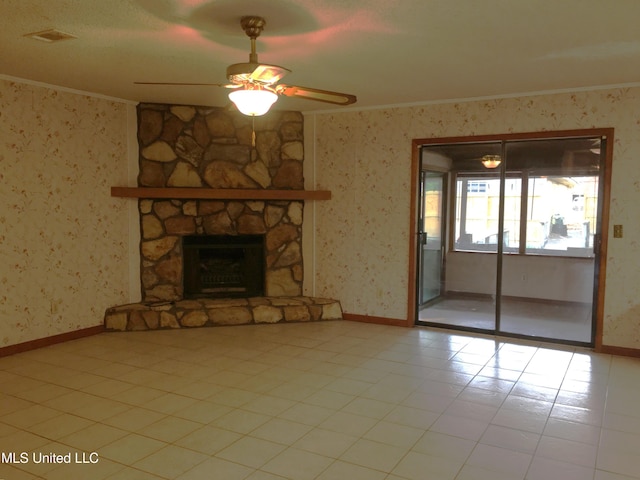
(252,25)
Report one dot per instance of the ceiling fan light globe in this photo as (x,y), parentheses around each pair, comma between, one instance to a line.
(253,103)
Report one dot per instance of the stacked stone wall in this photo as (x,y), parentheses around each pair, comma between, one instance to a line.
(198,147)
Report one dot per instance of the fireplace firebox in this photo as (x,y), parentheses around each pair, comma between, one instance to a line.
(223,266)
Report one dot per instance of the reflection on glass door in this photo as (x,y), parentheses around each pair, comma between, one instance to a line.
(522,245)
(430,236)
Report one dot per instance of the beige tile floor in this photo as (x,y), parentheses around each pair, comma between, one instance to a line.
(326,401)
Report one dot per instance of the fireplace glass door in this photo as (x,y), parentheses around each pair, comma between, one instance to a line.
(222,266)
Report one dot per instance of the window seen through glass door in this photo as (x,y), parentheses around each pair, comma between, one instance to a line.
(560,214)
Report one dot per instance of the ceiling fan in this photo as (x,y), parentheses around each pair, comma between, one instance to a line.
(255,85)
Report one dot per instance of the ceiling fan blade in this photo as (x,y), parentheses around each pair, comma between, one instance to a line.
(268,74)
(189,84)
(316,94)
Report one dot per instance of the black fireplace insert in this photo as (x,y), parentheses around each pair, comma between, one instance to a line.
(223,266)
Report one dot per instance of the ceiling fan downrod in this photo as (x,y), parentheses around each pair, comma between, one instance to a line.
(253,26)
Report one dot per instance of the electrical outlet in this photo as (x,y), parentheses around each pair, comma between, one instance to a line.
(617,231)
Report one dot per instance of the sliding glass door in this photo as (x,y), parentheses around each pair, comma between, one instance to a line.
(521,242)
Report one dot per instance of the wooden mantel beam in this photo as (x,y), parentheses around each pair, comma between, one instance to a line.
(219,193)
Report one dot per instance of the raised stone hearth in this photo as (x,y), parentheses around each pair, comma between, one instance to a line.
(216,312)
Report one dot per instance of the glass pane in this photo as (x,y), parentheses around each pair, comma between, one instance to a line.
(477,213)
(512,213)
(561,215)
(433,208)
(468,291)
(547,289)
(431,236)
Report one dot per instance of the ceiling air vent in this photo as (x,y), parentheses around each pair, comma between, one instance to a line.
(50,36)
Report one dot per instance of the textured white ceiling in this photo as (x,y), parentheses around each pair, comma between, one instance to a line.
(387,52)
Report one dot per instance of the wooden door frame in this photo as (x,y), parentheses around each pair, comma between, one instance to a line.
(559,134)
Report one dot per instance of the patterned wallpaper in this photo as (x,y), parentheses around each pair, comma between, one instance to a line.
(364,158)
(63,239)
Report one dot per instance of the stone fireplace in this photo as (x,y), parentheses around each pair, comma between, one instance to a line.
(197,147)
(184,147)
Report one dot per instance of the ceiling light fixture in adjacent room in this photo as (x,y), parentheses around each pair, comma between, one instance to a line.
(491,161)
(50,36)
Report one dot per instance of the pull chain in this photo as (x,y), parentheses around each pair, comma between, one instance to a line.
(253,131)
